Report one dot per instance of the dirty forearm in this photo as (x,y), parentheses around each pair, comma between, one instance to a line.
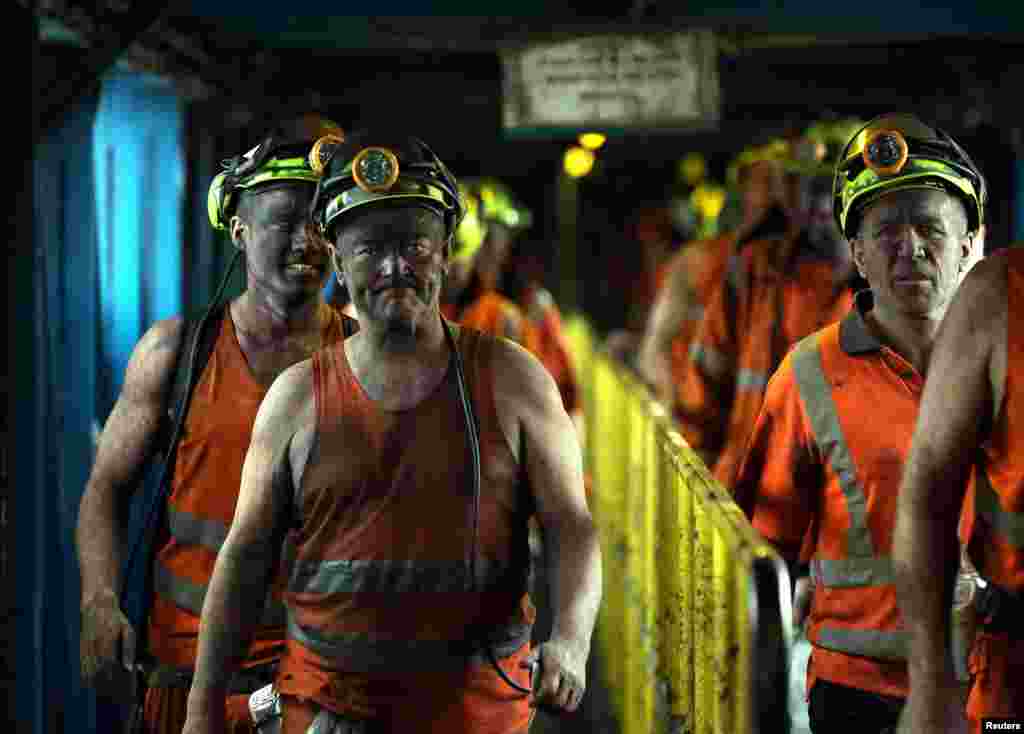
(574,556)
(240,583)
(98,539)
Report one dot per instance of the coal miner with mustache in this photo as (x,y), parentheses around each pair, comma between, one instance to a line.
(229,357)
(405,463)
(824,463)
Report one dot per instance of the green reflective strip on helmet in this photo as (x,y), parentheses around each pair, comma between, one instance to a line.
(283,169)
(403,189)
(868,186)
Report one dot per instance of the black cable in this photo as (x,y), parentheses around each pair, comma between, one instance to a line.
(474,448)
(154,509)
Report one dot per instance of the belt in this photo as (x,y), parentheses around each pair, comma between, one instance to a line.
(243,681)
(999,610)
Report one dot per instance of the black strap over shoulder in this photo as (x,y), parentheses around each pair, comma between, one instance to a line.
(198,339)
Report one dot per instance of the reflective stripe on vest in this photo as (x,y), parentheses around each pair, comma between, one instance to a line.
(881,644)
(382,576)
(1010,525)
(846,572)
(191,530)
(747,379)
(862,568)
(364,655)
(189,595)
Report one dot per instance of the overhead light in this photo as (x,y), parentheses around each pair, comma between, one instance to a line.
(592,141)
(578,161)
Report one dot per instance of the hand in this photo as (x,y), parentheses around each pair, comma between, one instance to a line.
(622,345)
(107,647)
(803,593)
(656,369)
(561,679)
(936,703)
(206,712)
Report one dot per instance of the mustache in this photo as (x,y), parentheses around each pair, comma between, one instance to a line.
(306,259)
(396,282)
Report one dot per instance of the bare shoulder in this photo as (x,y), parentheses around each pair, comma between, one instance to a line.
(979,307)
(519,375)
(285,407)
(153,360)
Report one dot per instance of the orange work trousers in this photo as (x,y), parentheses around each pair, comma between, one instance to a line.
(996,665)
(476,701)
(165,709)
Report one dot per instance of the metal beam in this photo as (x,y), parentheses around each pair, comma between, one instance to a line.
(63,93)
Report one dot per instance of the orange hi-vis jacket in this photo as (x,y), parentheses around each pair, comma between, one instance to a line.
(995,531)
(705,262)
(380,599)
(492,313)
(762,308)
(551,348)
(201,502)
(824,463)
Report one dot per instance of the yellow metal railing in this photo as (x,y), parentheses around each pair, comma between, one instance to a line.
(694,624)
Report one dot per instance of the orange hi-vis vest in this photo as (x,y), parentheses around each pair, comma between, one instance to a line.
(996,543)
(201,503)
(825,460)
(380,589)
(762,308)
(492,313)
(552,348)
(705,262)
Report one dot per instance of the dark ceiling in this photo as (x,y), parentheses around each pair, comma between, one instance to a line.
(779,64)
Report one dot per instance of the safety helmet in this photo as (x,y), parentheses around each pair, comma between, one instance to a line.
(371,168)
(282,156)
(472,229)
(898,152)
(776,150)
(815,151)
(487,200)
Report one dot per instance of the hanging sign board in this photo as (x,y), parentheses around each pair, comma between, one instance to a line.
(639,82)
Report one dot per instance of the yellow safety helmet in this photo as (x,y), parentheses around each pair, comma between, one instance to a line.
(372,168)
(815,152)
(487,200)
(472,230)
(774,150)
(898,152)
(284,155)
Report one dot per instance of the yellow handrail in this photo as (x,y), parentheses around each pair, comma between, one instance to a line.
(685,607)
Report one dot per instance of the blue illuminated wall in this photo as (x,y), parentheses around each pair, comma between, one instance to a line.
(140,185)
(106,263)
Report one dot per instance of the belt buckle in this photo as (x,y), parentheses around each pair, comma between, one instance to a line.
(264,704)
